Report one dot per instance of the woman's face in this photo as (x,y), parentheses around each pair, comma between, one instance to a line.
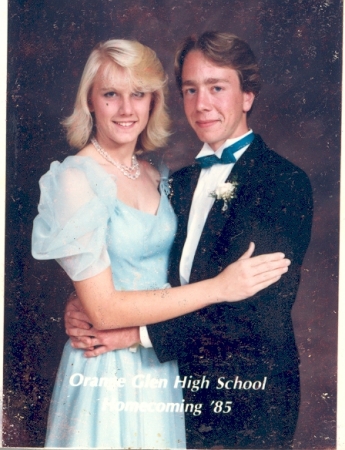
(121,113)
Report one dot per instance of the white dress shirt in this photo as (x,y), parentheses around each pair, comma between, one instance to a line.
(209,180)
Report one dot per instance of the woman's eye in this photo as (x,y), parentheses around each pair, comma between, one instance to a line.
(139,94)
(110,94)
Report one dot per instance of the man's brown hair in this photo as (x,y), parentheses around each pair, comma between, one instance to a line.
(223,49)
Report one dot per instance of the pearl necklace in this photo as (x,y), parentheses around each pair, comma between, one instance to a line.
(132,172)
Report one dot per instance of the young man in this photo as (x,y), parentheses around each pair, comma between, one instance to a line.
(239,361)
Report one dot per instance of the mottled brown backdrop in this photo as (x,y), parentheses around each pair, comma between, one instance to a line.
(298,43)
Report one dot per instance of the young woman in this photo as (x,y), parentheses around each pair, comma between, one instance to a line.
(105,217)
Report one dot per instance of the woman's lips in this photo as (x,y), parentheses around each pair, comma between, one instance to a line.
(124,124)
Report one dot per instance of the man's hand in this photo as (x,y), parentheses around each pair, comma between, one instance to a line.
(95,342)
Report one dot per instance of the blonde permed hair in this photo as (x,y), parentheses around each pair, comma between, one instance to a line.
(146,74)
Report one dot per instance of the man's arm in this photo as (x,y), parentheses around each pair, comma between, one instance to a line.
(284,224)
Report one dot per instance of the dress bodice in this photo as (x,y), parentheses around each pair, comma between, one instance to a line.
(83,225)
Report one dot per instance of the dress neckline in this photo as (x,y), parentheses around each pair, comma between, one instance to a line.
(111,176)
(140,210)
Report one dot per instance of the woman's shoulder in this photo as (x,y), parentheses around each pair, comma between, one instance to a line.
(79,172)
(70,163)
(159,176)
(151,171)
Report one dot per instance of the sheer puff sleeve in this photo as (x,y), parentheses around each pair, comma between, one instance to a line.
(77,200)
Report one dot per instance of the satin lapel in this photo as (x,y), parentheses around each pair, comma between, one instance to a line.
(242,173)
(181,203)
(184,201)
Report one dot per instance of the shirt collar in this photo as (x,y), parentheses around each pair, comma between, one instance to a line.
(207,150)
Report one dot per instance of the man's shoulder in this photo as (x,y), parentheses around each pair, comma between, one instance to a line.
(191,169)
(280,180)
(186,174)
(275,163)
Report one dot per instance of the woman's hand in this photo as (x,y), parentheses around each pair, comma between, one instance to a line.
(95,342)
(249,275)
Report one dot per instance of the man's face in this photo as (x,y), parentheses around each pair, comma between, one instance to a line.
(215,105)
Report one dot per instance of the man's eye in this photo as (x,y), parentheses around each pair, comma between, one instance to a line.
(189,91)
(217,88)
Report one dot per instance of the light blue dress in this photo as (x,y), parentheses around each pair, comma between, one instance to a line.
(124,398)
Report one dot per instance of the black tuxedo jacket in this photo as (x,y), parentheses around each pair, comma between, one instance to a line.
(254,337)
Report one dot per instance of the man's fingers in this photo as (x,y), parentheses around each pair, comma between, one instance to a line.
(269,266)
(262,259)
(268,278)
(96,351)
(80,343)
(266,283)
(75,323)
(77,319)
(89,341)
(73,303)
(78,315)
(77,332)
(76,343)
(247,254)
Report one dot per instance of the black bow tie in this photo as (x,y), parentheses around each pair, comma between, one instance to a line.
(227,155)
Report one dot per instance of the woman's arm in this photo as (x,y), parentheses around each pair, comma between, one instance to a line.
(95,342)
(108,308)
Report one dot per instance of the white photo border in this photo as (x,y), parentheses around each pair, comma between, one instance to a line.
(341,310)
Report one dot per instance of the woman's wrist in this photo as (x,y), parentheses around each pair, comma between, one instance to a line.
(215,291)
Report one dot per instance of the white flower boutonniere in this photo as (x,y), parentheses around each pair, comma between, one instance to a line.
(225,192)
